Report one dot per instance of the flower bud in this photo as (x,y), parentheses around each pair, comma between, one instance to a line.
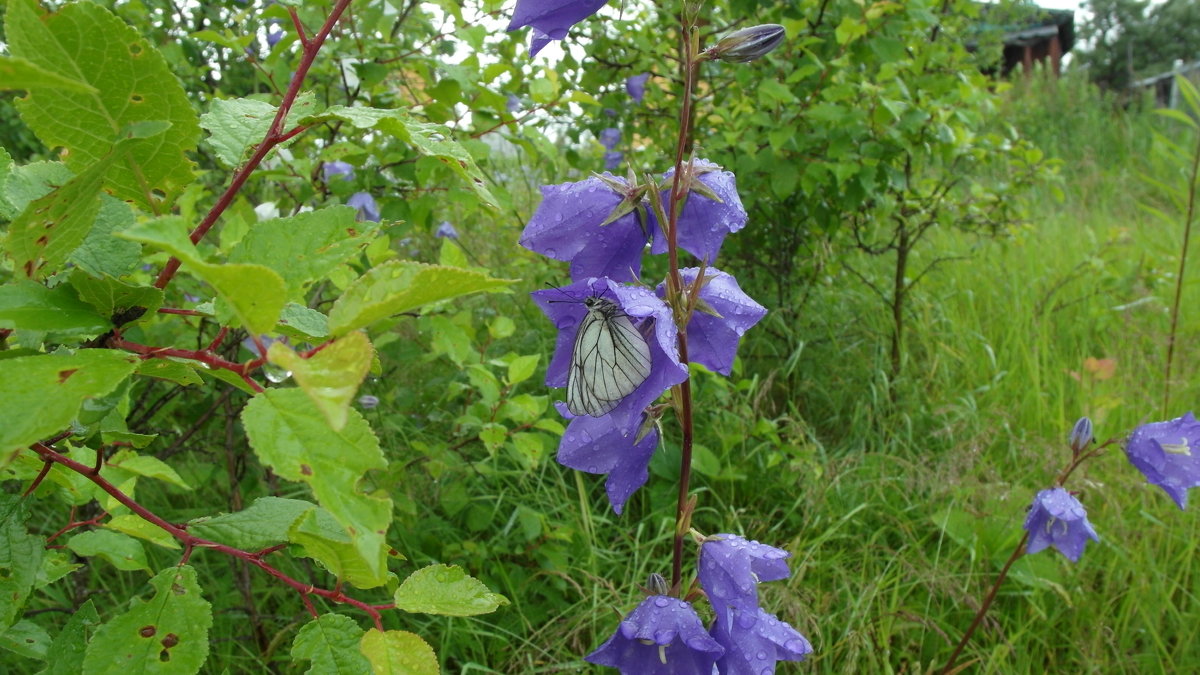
(1081,435)
(368,401)
(747,44)
(657,584)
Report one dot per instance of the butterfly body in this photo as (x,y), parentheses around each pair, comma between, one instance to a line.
(611,359)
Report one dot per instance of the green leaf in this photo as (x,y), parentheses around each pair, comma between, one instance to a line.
(179,372)
(27,639)
(239,124)
(522,368)
(21,74)
(20,558)
(143,465)
(401,286)
(289,434)
(305,247)
(134,84)
(398,652)
(102,254)
(122,551)
(53,226)
(28,305)
(43,393)
(331,376)
(330,642)
(325,540)
(65,656)
(430,140)
(110,297)
(849,29)
(168,634)
(301,323)
(263,524)
(451,254)
(136,526)
(254,292)
(446,590)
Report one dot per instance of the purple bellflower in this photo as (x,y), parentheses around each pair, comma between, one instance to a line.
(1163,452)
(446,231)
(731,568)
(613,159)
(713,339)
(596,445)
(636,86)
(1058,519)
(704,222)
(551,19)
(274,36)
(339,168)
(610,137)
(748,44)
(368,402)
(513,104)
(662,636)
(365,203)
(754,641)
(564,307)
(567,226)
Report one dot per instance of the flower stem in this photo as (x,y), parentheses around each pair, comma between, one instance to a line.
(1183,251)
(675,288)
(987,603)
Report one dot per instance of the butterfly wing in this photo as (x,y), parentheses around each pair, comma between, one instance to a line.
(611,359)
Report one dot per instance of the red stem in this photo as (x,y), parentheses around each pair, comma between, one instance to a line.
(275,136)
(987,603)
(191,542)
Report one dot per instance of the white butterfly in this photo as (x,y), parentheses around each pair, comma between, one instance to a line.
(610,360)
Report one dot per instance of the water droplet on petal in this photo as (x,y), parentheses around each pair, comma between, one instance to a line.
(662,601)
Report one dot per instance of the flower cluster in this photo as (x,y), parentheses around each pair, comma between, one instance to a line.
(665,635)
(603,226)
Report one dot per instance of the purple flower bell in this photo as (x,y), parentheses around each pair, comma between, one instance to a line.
(755,641)
(274,36)
(368,402)
(446,231)
(1058,519)
(512,104)
(596,445)
(365,203)
(662,636)
(731,568)
(1163,452)
(338,168)
(567,226)
(551,19)
(713,339)
(610,137)
(703,223)
(613,159)
(635,85)
(649,315)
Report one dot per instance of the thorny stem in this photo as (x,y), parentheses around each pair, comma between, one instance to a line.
(674,287)
(1187,231)
(275,135)
(191,542)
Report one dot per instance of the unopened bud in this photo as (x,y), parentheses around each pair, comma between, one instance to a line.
(747,44)
(1081,435)
(657,584)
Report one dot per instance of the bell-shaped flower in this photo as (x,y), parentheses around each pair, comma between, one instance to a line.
(445,231)
(512,104)
(704,222)
(662,636)
(731,568)
(368,402)
(755,641)
(551,19)
(610,137)
(635,85)
(596,445)
(569,225)
(613,159)
(748,44)
(1058,519)
(649,315)
(717,325)
(274,36)
(1164,453)
(365,203)
(338,168)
